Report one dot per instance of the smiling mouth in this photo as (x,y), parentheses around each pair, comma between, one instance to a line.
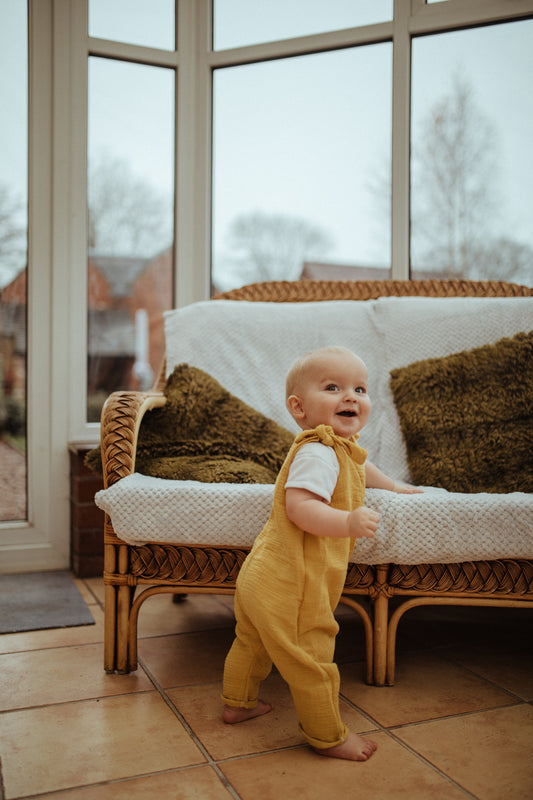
(346,414)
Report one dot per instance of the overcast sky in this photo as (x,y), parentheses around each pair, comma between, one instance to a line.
(304,136)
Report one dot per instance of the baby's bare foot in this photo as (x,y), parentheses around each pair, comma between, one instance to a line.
(231,714)
(354,748)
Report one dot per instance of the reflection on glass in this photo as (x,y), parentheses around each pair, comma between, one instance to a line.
(145,22)
(13,258)
(472,162)
(237,23)
(301,168)
(130,198)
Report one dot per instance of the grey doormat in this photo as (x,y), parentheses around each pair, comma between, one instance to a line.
(39,600)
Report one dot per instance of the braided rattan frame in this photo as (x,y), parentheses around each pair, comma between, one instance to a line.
(156,568)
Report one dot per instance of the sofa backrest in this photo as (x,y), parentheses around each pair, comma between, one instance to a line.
(249,346)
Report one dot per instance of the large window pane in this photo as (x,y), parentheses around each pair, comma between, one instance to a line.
(301,167)
(240,22)
(472,161)
(131,189)
(13,257)
(144,22)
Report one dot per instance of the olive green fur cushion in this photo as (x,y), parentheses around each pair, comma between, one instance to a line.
(204,433)
(467,419)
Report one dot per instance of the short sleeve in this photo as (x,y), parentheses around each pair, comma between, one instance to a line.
(315,467)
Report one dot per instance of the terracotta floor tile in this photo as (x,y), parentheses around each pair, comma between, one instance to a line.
(202,708)
(452,661)
(73,744)
(510,668)
(159,615)
(55,637)
(392,773)
(196,783)
(488,753)
(226,600)
(187,658)
(96,587)
(426,687)
(60,675)
(85,591)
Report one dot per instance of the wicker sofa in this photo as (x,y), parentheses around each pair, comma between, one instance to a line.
(135,571)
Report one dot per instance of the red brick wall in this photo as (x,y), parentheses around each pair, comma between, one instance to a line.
(86,519)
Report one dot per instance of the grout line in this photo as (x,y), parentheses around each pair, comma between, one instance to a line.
(378,727)
(98,602)
(390,731)
(430,764)
(471,671)
(457,715)
(248,756)
(211,761)
(53,703)
(113,781)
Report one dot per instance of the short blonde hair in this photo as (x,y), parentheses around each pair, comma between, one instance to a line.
(304,364)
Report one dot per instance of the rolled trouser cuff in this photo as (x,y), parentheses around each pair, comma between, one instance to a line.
(320,744)
(239,703)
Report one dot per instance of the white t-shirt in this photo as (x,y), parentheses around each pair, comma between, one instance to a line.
(314,467)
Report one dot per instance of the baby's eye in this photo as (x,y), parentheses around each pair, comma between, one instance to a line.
(332,387)
(360,389)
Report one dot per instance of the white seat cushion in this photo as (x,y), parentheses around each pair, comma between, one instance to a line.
(434,527)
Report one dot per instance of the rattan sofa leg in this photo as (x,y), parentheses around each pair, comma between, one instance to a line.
(123,616)
(110,628)
(380,599)
(381,613)
(110,606)
(124,598)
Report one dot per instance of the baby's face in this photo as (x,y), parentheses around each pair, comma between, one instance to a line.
(334,392)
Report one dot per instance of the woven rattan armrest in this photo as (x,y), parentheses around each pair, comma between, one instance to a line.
(120,422)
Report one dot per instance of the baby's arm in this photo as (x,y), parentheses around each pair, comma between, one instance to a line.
(312,514)
(376,479)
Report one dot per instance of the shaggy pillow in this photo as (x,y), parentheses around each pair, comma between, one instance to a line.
(467,419)
(204,433)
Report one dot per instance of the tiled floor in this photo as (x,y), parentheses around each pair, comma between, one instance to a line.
(458,723)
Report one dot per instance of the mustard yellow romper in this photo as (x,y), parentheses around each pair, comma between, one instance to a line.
(287,591)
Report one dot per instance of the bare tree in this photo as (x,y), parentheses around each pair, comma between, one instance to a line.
(12,235)
(503,258)
(274,246)
(127,215)
(454,161)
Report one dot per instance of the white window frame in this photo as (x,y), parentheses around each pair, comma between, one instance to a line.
(42,542)
(57,293)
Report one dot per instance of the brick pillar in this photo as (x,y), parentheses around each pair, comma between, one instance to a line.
(86,519)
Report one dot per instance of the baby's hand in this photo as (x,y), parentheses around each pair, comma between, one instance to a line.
(363,522)
(400,488)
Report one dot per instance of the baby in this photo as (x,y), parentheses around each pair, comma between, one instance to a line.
(292,580)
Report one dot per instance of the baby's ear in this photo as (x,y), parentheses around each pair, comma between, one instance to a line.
(295,406)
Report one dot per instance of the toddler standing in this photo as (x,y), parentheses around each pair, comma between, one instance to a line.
(292,580)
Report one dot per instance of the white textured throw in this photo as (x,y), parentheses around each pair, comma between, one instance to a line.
(248,348)
(434,527)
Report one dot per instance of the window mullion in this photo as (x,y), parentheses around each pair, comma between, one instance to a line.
(193,158)
(401,87)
